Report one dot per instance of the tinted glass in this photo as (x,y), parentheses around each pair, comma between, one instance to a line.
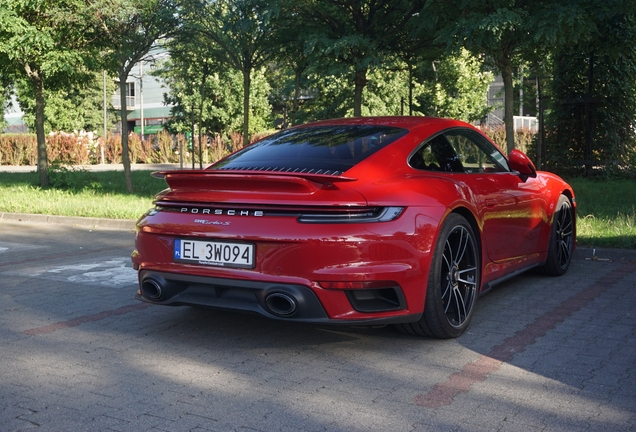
(322,149)
(476,153)
(461,151)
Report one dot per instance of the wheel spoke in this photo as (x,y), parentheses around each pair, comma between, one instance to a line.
(447,260)
(466,281)
(564,216)
(567,229)
(446,295)
(463,244)
(564,252)
(460,306)
(450,260)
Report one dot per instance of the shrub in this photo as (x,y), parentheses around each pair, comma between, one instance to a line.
(217,148)
(165,150)
(112,150)
(18,149)
(236,140)
(260,135)
(83,148)
(523,137)
(71,148)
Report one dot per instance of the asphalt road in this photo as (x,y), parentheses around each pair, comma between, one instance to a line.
(77,353)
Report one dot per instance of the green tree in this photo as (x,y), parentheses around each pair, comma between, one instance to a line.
(194,88)
(78,107)
(197,80)
(507,31)
(241,34)
(593,119)
(458,88)
(5,97)
(48,45)
(294,57)
(357,34)
(129,30)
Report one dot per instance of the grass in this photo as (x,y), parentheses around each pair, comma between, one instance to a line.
(79,193)
(606,212)
(606,209)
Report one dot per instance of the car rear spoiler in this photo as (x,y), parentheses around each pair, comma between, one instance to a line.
(252,181)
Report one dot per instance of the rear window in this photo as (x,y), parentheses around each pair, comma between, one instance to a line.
(321,149)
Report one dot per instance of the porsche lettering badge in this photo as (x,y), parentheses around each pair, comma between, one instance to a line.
(221,212)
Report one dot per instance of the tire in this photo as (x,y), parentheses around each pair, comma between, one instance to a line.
(561,244)
(453,282)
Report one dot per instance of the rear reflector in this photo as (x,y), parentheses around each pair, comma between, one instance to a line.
(348,285)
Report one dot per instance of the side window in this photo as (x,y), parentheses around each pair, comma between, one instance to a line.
(437,155)
(459,150)
(476,153)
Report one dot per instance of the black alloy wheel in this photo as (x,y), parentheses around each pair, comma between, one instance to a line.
(561,244)
(453,283)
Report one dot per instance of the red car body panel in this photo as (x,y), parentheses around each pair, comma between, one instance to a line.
(511,213)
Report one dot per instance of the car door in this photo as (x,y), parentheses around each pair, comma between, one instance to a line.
(510,209)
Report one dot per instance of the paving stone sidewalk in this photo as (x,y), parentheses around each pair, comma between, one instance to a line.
(78,353)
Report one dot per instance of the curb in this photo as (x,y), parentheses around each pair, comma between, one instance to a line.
(119,224)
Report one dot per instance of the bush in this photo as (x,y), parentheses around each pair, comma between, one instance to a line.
(165,149)
(112,149)
(71,148)
(217,148)
(18,149)
(68,177)
(523,137)
(83,148)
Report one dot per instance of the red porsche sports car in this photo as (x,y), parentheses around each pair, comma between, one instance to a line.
(383,220)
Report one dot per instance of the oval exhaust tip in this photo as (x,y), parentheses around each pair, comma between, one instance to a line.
(151,289)
(281,304)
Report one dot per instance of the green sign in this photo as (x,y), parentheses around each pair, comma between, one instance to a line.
(152,129)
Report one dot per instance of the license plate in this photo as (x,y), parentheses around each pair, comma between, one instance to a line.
(214,253)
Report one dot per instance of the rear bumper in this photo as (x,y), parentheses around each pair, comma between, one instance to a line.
(288,302)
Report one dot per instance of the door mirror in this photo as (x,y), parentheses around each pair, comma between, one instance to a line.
(521,163)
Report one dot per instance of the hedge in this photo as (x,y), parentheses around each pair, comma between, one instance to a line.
(83,148)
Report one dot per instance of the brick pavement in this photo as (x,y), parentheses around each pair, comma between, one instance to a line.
(77,353)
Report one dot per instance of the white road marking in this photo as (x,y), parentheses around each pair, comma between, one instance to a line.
(113,272)
(15,247)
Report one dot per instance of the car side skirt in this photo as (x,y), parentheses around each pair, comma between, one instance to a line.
(489,285)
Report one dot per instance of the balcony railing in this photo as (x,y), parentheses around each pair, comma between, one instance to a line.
(130,102)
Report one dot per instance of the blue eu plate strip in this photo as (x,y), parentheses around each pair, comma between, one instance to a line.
(177,249)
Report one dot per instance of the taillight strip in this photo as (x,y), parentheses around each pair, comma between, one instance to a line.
(309,215)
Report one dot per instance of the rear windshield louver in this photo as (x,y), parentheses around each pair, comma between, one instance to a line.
(283,169)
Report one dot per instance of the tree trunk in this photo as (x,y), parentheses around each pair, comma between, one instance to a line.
(360,82)
(410,88)
(43,163)
(589,118)
(192,133)
(203,79)
(247,82)
(506,73)
(541,134)
(297,75)
(125,155)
